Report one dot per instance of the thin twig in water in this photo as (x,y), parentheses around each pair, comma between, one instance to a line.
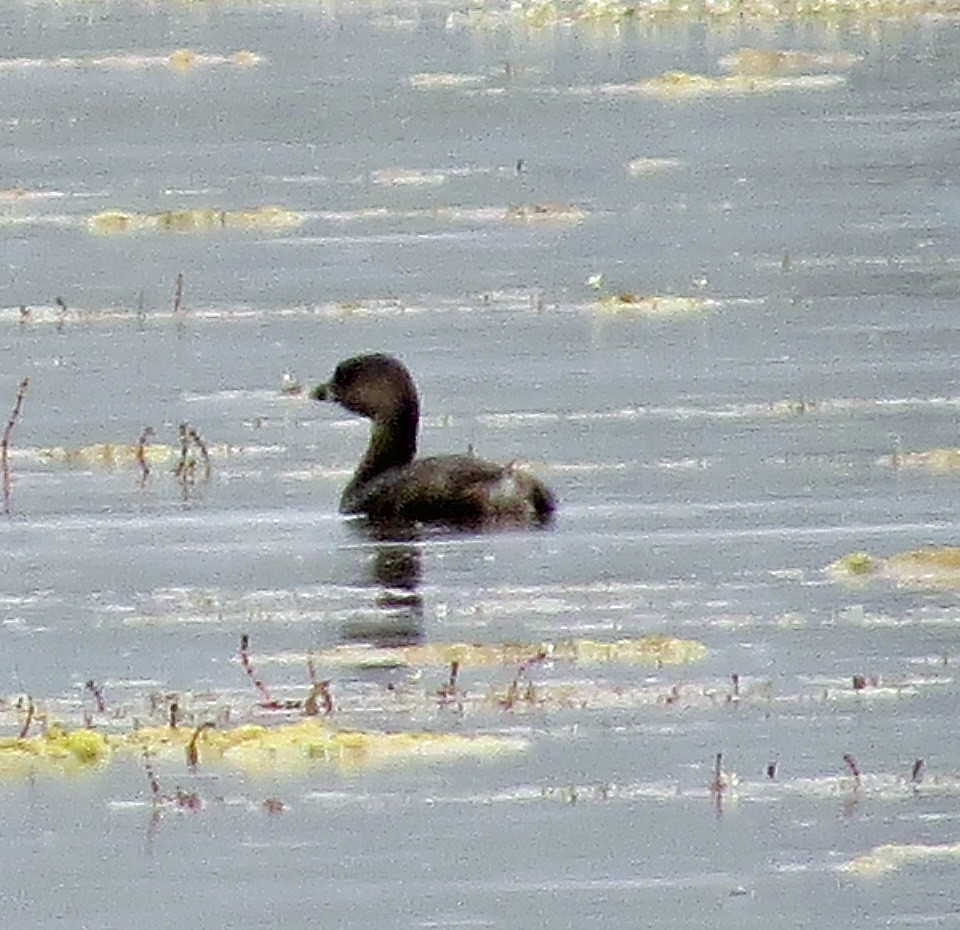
(25,729)
(178,294)
(513,691)
(184,466)
(735,692)
(310,706)
(916,774)
(197,440)
(155,791)
(450,690)
(193,754)
(319,691)
(97,693)
(326,696)
(719,784)
(187,466)
(188,800)
(248,668)
(854,767)
(5,442)
(147,434)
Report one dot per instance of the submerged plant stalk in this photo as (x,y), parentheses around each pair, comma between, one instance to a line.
(147,434)
(5,442)
(178,294)
(262,689)
(97,693)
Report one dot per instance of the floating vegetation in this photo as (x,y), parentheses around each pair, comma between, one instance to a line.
(656,649)
(543,212)
(547,13)
(183,59)
(537,212)
(775,61)
(681,85)
(373,307)
(267,218)
(923,568)
(290,384)
(719,781)
(641,166)
(892,857)
(56,749)
(20,194)
(121,455)
(653,306)
(408,177)
(283,748)
(793,406)
(445,79)
(939,461)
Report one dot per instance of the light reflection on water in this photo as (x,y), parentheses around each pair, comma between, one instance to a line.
(709,464)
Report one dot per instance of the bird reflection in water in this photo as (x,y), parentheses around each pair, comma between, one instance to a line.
(394,568)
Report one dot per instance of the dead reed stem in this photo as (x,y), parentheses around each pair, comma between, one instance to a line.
(147,434)
(178,294)
(5,442)
(186,468)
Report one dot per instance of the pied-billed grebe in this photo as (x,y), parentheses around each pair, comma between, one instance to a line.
(389,486)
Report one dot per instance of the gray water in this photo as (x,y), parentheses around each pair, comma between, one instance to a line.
(709,465)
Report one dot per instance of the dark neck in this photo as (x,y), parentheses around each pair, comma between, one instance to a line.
(393,444)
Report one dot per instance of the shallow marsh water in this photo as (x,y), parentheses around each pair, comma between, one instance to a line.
(710,464)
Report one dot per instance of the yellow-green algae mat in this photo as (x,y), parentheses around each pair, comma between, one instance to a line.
(656,649)
(117,454)
(297,745)
(891,857)
(920,568)
(289,747)
(547,13)
(117,222)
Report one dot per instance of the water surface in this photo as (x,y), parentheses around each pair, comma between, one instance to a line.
(709,464)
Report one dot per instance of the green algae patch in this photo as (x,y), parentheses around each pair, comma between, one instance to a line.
(297,746)
(279,749)
(656,650)
(920,568)
(938,461)
(107,454)
(427,80)
(294,747)
(644,165)
(267,218)
(778,61)
(407,177)
(682,85)
(111,455)
(552,13)
(57,749)
(891,857)
(854,565)
(546,212)
(653,306)
(181,60)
